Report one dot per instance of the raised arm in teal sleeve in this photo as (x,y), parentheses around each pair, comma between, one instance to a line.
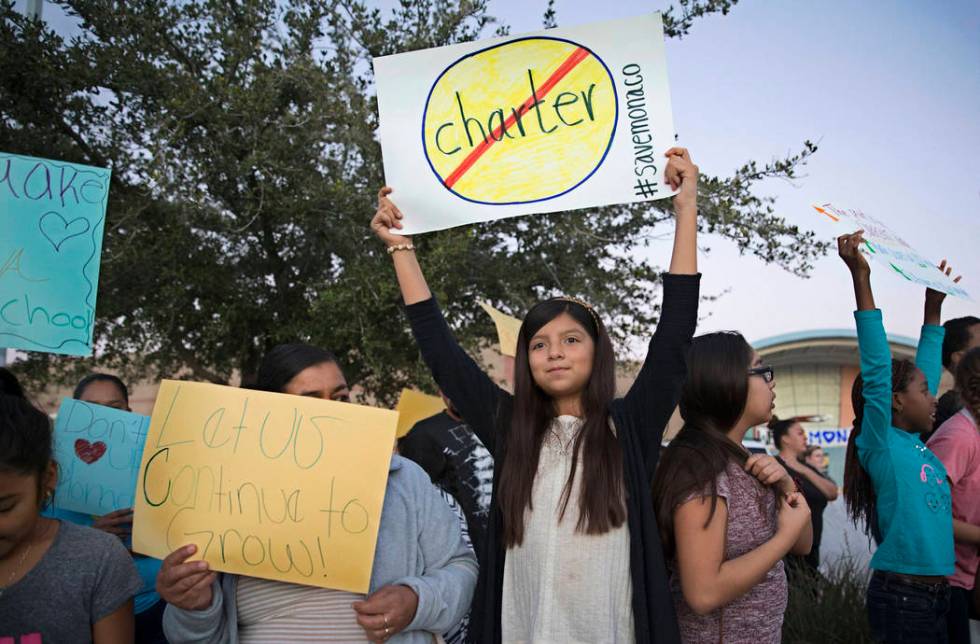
(876,371)
(929,354)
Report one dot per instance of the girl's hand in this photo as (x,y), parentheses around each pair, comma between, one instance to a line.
(770,472)
(119,523)
(934,299)
(387,220)
(682,174)
(848,247)
(794,515)
(387,611)
(185,584)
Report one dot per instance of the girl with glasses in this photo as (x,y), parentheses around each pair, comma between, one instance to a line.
(727,518)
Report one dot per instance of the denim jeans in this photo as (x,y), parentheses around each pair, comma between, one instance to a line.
(904,611)
(961,611)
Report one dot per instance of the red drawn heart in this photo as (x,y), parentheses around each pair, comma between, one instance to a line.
(89,452)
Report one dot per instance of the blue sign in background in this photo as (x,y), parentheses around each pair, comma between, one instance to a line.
(52,216)
(98,450)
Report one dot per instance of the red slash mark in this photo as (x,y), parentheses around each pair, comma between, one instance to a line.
(89,452)
(574,59)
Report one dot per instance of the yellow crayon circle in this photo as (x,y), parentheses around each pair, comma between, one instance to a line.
(523,121)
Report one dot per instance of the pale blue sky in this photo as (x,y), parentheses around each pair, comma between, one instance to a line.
(891,90)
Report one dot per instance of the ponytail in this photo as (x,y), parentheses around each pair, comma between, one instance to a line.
(859,491)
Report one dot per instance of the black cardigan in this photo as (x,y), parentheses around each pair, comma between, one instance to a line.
(640,418)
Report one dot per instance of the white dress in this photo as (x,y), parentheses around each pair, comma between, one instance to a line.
(562,586)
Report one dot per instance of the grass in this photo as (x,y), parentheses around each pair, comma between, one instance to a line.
(828,609)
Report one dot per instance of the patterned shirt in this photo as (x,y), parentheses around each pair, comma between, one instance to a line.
(757,616)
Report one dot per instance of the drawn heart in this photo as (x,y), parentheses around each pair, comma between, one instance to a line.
(89,452)
(57,231)
(828,437)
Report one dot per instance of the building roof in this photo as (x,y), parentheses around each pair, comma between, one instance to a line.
(824,346)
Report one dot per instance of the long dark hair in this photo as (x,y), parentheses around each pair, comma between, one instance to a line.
(25,439)
(601,502)
(968,381)
(859,491)
(9,384)
(713,398)
(283,362)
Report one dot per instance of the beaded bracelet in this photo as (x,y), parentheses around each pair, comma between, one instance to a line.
(392,249)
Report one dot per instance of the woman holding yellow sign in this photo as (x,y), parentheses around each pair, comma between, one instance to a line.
(421,582)
(572,552)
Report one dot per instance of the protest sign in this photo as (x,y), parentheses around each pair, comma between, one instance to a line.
(414,406)
(98,451)
(828,437)
(508,328)
(891,251)
(52,214)
(545,122)
(266,485)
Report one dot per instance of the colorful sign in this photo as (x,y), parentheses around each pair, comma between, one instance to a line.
(98,451)
(549,121)
(891,251)
(52,214)
(266,485)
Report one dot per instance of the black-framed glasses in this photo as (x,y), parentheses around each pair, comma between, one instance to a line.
(765,371)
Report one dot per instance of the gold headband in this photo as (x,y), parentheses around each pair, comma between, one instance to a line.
(585,305)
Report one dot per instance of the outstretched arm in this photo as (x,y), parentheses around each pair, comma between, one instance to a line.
(928,356)
(653,396)
(386,223)
(478,399)
(876,357)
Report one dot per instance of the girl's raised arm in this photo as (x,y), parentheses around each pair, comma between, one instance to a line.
(652,398)
(479,400)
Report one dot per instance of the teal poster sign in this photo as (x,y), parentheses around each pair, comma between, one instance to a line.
(98,450)
(52,215)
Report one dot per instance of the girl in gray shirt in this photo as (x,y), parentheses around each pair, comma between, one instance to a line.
(58,582)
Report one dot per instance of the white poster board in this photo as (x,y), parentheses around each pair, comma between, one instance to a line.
(544,122)
(891,251)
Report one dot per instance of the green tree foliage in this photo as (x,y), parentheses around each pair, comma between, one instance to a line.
(241,135)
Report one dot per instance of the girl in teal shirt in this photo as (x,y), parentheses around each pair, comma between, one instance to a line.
(892,482)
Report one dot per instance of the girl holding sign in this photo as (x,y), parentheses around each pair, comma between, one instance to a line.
(892,481)
(572,552)
(109,391)
(421,582)
(58,582)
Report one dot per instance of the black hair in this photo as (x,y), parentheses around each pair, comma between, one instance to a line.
(9,384)
(283,362)
(601,502)
(859,491)
(713,397)
(25,438)
(968,381)
(779,428)
(957,335)
(84,383)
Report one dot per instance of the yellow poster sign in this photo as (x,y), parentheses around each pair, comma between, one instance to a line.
(414,406)
(508,329)
(266,485)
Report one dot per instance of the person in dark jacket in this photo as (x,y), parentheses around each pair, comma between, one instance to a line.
(573,552)
(457,461)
